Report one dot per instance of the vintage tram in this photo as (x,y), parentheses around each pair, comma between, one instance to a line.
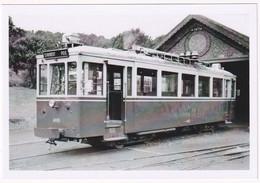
(108,96)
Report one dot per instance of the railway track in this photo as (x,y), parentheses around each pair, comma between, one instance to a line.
(192,160)
(171,153)
(90,159)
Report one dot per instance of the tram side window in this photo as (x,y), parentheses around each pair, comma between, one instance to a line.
(92,79)
(217,87)
(233,89)
(169,84)
(72,78)
(129,81)
(203,86)
(146,82)
(227,88)
(43,79)
(57,79)
(188,85)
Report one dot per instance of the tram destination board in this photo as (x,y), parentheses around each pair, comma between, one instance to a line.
(56,54)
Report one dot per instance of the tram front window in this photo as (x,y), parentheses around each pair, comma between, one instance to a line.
(57,79)
(92,83)
(227,88)
(43,79)
(72,78)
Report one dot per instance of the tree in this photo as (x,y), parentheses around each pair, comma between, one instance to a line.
(126,39)
(93,40)
(157,40)
(51,40)
(14,32)
(117,42)
(25,45)
(24,54)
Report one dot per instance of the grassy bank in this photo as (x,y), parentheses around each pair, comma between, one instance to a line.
(22,108)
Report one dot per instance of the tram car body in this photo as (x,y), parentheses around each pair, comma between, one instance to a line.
(99,95)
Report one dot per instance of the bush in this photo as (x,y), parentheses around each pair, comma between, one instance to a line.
(20,79)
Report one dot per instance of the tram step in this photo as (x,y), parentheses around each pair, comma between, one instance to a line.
(113,123)
(110,139)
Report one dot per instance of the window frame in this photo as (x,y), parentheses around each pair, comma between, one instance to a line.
(194,85)
(176,80)
(77,68)
(50,65)
(227,93)
(103,91)
(198,88)
(129,70)
(155,93)
(222,87)
(39,79)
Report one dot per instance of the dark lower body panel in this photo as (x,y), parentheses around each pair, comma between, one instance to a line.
(86,119)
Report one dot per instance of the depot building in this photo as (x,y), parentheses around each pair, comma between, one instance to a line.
(214,43)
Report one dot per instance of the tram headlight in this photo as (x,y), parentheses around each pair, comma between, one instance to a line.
(51,103)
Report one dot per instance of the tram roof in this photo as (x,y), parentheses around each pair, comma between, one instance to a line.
(132,55)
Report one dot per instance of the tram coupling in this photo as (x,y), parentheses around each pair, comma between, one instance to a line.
(51,141)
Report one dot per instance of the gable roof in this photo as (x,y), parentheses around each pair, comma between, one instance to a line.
(240,39)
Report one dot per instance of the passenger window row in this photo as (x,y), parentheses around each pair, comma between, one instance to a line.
(146,82)
(147,85)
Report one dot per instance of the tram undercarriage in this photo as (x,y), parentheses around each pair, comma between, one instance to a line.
(121,140)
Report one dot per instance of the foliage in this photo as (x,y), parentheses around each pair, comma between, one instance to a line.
(51,40)
(93,40)
(25,45)
(24,55)
(157,40)
(14,32)
(126,39)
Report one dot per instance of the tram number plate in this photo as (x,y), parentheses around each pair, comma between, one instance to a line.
(112,130)
(56,120)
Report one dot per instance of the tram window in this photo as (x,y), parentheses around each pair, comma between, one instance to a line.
(92,79)
(188,85)
(72,78)
(169,84)
(43,79)
(217,87)
(57,79)
(129,81)
(146,82)
(203,86)
(233,88)
(227,88)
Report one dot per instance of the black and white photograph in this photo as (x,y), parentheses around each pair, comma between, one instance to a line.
(130,91)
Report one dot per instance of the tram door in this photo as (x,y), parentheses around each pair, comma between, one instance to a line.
(115,79)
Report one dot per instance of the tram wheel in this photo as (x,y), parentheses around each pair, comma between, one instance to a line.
(179,130)
(197,129)
(96,143)
(118,145)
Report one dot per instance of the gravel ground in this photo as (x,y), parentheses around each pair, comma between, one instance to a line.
(81,157)
(22,108)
